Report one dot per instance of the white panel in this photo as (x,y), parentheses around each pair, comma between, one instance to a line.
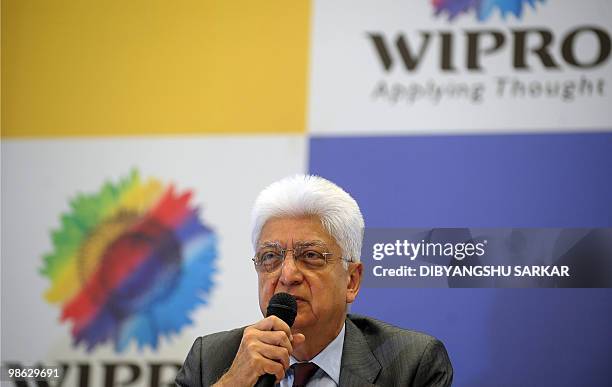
(346,70)
(39,177)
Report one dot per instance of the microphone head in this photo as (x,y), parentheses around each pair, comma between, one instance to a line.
(283,306)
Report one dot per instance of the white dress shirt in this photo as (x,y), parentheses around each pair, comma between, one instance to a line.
(328,360)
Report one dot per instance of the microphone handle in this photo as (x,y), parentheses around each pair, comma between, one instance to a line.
(267,380)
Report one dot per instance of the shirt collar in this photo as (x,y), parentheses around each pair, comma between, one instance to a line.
(329,358)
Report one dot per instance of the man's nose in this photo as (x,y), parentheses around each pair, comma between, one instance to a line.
(290,274)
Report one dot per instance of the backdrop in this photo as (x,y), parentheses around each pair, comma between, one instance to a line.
(136,136)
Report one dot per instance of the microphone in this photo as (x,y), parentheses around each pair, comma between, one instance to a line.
(283,306)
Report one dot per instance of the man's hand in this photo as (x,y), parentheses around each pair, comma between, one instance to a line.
(264,349)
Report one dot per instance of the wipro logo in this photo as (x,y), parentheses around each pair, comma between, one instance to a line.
(498,59)
(483,9)
(468,49)
(129,263)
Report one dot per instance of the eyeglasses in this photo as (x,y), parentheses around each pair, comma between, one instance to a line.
(308,256)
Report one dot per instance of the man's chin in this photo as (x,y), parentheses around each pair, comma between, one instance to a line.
(301,323)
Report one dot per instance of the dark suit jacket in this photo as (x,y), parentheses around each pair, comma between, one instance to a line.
(374,353)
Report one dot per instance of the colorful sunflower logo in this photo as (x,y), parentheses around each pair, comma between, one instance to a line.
(129,263)
(483,8)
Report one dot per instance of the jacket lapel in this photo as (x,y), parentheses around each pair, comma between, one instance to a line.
(359,367)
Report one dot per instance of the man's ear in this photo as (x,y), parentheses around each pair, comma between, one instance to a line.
(355,271)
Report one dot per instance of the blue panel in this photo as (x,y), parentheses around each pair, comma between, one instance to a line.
(474,181)
(501,337)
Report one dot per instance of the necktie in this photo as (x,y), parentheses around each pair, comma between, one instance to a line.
(302,372)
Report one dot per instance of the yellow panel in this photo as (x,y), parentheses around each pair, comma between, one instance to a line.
(132,67)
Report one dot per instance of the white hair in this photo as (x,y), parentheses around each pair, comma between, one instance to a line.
(303,195)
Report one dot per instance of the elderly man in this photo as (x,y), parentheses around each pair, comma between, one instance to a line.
(307,235)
